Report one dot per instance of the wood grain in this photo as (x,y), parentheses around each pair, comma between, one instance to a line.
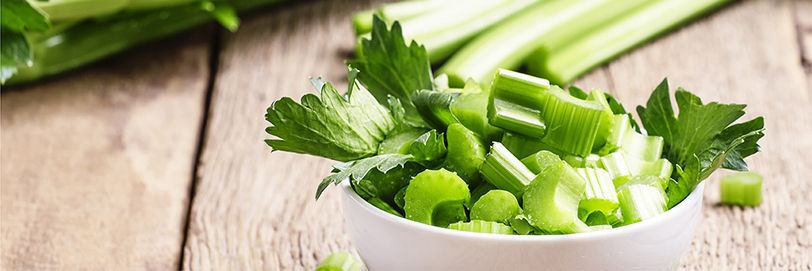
(97,165)
(254,209)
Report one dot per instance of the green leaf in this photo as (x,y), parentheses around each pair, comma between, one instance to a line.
(338,127)
(223,12)
(19,16)
(428,149)
(435,107)
(357,170)
(389,66)
(700,139)
(14,51)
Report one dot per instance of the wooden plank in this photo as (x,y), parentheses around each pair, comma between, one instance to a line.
(97,165)
(747,53)
(254,209)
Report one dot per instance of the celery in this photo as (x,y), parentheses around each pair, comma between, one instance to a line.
(600,227)
(510,42)
(471,109)
(600,191)
(482,226)
(539,161)
(505,171)
(551,200)
(515,102)
(609,41)
(741,189)
(590,160)
(516,118)
(625,138)
(477,193)
(522,146)
(339,261)
(522,226)
(607,118)
(465,153)
(496,205)
(615,164)
(572,123)
(436,197)
(641,201)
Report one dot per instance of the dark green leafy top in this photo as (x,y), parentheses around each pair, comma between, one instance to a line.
(700,139)
(16,17)
(338,127)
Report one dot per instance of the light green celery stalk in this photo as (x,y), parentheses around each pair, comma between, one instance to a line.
(646,22)
(509,43)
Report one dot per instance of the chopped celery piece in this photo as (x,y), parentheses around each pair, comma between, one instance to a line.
(515,102)
(600,191)
(482,226)
(520,224)
(436,197)
(572,123)
(539,161)
(610,40)
(616,218)
(399,142)
(510,42)
(644,180)
(600,227)
(607,118)
(496,205)
(660,168)
(594,218)
(620,181)
(377,202)
(471,109)
(620,165)
(551,200)
(516,118)
(505,171)
(590,160)
(620,126)
(477,192)
(640,202)
(626,139)
(339,261)
(615,164)
(465,153)
(522,146)
(741,189)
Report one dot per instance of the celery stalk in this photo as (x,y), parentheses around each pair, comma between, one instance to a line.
(573,123)
(540,161)
(640,202)
(510,42)
(600,191)
(551,200)
(482,226)
(645,22)
(505,171)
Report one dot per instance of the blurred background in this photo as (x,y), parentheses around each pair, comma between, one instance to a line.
(131,131)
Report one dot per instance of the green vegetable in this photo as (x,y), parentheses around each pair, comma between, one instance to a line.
(377,202)
(540,161)
(465,153)
(358,169)
(522,226)
(16,17)
(400,141)
(640,202)
(436,197)
(607,117)
(338,127)
(573,123)
(339,261)
(428,149)
(505,171)
(699,140)
(482,226)
(477,192)
(600,191)
(389,66)
(551,200)
(434,106)
(471,109)
(741,189)
(496,205)
(522,146)
(515,103)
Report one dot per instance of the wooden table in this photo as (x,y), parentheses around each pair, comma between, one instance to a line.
(154,159)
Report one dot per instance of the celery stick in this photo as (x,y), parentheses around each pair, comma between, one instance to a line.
(436,197)
(68,10)
(516,118)
(607,118)
(519,88)
(640,202)
(471,109)
(600,191)
(539,161)
(496,205)
(615,164)
(505,171)
(551,200)
(408,9)
(465,153)
(477,193)
(741,189)
(522,146)
(590,160)
(509,43)
(611,40)
(482,226)
(573,123)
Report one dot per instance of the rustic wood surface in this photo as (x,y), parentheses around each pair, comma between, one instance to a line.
(97,166)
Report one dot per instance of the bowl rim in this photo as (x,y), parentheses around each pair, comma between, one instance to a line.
(680,209)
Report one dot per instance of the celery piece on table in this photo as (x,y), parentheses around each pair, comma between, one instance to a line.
(496,205)
(551,200)
(482,227)
(339,261)
(505,171)
(742,188)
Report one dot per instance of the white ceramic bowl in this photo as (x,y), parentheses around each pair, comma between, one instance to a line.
(388,242)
